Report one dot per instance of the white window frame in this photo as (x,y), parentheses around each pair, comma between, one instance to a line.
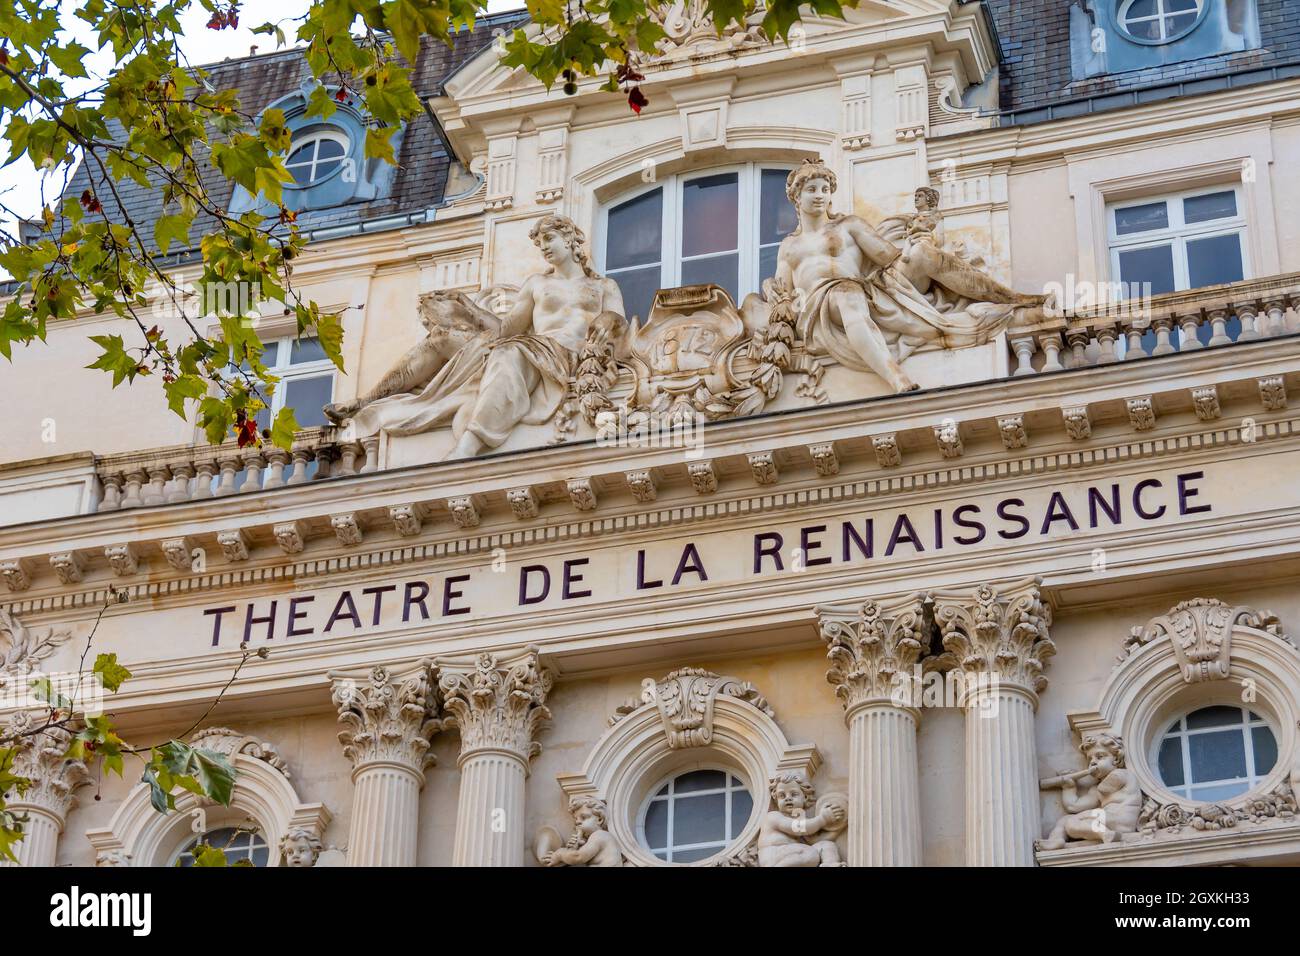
(1247,722)
(310,137)
(257,841)
(749,193)
(286,372)
(717,846)
(1178,232)
(1161,16)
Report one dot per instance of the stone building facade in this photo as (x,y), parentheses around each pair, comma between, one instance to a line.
(879,451)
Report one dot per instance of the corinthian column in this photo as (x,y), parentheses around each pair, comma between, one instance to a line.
(873,654)
(54,782)
(388,727)
(498,708)
(999,644)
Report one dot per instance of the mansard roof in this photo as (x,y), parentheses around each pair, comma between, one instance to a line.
(1037,82)
(419,181)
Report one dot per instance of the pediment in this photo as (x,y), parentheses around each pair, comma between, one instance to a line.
(690,40)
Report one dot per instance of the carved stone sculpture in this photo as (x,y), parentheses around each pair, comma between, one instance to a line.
(1102,802)
(591,843)
(1201,634)
(866,305)
(24,648)
(299,848)
(790,836)
(685,701)
(505,371)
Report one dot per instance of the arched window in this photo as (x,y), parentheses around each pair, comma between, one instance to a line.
(239,844)
(695,815)
(1159,21)
(721,226)
(1216,753)
(316,154)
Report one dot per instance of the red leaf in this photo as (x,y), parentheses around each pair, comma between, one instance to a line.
(636,99)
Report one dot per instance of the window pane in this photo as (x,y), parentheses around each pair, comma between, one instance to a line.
(656,823)
(638,287)
(1177,5)
(720,270)
(305,350)
(1178,23)
(1143,218)
(1265,749)
(635,232)
(1170,762)
(767,262)
(1141,8)
(777,216)
(1214,717)
(307,397)
(1223,791)
(701,780)
(326,168)
(328,149)
(1214,206)
(709,209)
(1145,29)
(1220,755)
(690,856)
(1214,261)
(742,805)
(1154,265)
(302,155)
(700,819)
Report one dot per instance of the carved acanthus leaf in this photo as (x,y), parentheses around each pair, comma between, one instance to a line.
(1004,637)
(498,705)
(24,647)
(872,651)
(1200,631)
(685,700)
(388,719)
(229,742)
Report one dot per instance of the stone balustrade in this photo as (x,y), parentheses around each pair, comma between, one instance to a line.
(195,472)
(1120,331)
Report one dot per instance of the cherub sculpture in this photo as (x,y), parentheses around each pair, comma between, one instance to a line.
(789,836)
(486,374)
(591,843)
(1110,802)
(299,848)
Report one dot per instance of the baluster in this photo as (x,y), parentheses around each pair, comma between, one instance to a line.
(1276,309)
(1133,343)
(180,484)
(1106,345)
(207,473)
(112,497)
(155,493)
(370,455)
(1188,324)
(254,464)
(276,459)
(230,465)
(348,459)
(131,495)
(1024,349)
(1078,342)
(1050,343)
(1219,324)
(326,457)
(1164,326)
(1248,313)
(301,458)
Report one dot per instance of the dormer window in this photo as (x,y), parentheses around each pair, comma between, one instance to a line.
(316,155)
(1159,21)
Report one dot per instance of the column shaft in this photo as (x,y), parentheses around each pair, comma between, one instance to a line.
(1002,816)
(385,816)
(40,843)
(490,811)
(884,798)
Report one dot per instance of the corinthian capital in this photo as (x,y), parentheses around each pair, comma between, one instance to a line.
(388,719)
(872,650)
(40,758)
(497,705)
(999,636)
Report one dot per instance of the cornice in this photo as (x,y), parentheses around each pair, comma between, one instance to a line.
(1032,404)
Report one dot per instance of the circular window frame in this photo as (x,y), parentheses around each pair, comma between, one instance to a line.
(306,135)
(1121,26)
(732,844)
(228,818)
(634,758)
(1221,700)
(1148,691)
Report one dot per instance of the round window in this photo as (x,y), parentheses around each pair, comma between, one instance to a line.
(1159,21)
(1216,753)
(316,155)
(695,815)
(241,846)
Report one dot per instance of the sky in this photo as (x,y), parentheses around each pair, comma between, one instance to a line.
(25,190)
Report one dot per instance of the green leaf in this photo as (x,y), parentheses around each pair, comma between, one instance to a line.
(114,359)
(205,855)
(185,387)
(171,228)
(283,428)
(110,672)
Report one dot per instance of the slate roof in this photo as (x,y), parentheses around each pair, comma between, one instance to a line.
(421,176)
(1034,36)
